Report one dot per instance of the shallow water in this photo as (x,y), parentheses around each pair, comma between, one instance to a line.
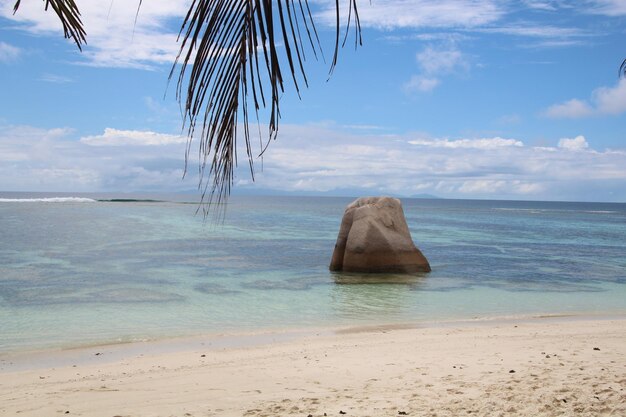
(76,272)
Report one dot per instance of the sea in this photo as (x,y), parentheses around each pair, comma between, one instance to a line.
(88,269)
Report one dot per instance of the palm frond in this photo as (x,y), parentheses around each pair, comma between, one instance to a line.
(231,57)
(622,69)
(69,15)
(232,50)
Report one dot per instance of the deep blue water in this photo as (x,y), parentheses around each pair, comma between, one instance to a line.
(79,272)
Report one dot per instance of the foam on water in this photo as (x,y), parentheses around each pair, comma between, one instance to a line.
(48,200)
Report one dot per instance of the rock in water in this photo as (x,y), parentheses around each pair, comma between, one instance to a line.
(374,237)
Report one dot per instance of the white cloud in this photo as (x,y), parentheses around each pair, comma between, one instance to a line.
(421,83)
(540,5)
(604,101)
(535,31)
(115,137)
(8,53)
(540,35)
(573,108)
(576,144)
(482,143)
(56,79)
(113,38)
(610,100)
(429,36)
(555,43)
(606,7)
(393,14)
(435,62)
(485,187)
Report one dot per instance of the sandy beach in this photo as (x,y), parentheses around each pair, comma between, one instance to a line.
(538,367)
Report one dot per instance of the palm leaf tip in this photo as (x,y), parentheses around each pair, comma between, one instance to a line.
(232,55)
(69,15)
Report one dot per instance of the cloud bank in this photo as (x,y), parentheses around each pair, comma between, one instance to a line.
(310,159)
(318,159)
(34,159)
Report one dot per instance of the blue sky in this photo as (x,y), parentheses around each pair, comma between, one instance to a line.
(458,99)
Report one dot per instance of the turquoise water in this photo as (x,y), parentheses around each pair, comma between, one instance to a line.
(76,272)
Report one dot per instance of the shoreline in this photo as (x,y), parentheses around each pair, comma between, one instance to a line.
(116,350)
(542,367)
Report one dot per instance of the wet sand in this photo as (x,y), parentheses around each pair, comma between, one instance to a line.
(540,367)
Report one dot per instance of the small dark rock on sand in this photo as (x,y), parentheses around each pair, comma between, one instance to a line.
(596,348)
(512,371)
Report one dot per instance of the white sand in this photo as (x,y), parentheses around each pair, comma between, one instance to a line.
(447,371)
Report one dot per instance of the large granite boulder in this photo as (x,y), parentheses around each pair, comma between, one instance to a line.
(374,237)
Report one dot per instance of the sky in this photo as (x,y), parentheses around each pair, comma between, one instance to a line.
(485,99)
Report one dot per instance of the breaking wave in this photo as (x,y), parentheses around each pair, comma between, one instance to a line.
(48,200)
